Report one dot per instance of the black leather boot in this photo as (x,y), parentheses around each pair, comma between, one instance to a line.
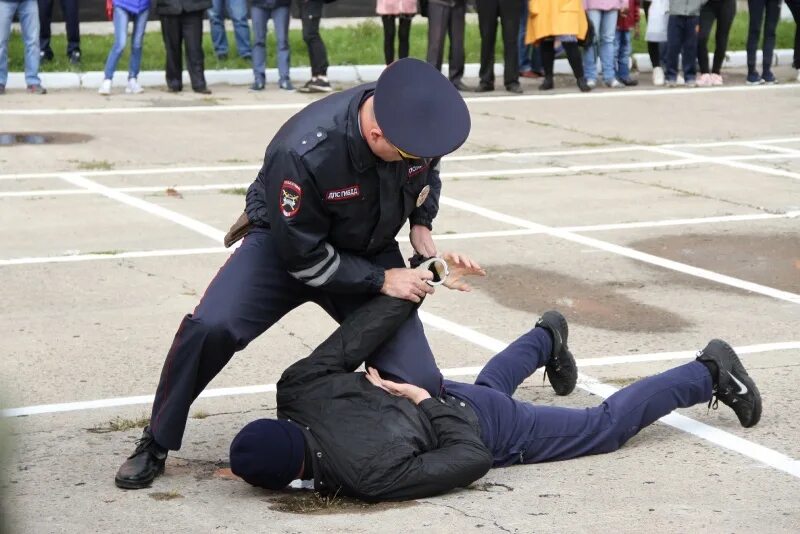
(144,465)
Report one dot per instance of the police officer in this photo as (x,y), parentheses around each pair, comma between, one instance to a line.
(339,181)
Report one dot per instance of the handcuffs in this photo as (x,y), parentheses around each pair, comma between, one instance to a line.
(437,267)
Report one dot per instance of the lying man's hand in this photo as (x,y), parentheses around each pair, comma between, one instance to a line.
(460,266)
(413,393)
(408,284)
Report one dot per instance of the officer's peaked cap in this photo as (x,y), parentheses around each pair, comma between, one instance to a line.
(419,110)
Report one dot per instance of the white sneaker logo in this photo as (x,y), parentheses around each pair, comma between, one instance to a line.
(742,387)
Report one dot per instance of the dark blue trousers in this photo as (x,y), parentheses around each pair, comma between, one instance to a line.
(682,40)
(518,432)
(251,292)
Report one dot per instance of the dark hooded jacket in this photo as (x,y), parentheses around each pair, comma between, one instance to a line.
(366,443)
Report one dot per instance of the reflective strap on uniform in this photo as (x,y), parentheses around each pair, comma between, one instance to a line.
(312,276)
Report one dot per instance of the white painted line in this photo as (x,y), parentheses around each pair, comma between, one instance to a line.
(44,193)
(403,239)
(735,164)
(487,342)
(771,148)
(153,109)
(149,207)
(732,143)
(115,256)
(133,172)
(624,251)
(544,154)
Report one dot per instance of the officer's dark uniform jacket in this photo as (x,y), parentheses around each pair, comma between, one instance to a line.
(330,202)
(364,442)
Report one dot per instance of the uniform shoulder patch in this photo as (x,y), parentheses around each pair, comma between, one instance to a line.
(309,141)
(290,198)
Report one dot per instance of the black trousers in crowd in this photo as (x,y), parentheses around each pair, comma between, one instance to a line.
(723,12)
(310,14)
(404,23)
(769,11)
(184,32)
(509,12)
(653,48)
(447,21)
(794,7)
(548,52)
(70,10)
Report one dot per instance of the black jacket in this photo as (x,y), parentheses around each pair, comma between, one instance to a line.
(330,201)
(364,442)
(176,7)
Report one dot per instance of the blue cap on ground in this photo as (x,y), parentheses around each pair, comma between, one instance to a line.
(268,453)
(419,110)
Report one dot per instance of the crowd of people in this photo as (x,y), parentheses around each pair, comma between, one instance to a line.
(533,33)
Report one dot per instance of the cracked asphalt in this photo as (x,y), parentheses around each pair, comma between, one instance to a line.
(75,331)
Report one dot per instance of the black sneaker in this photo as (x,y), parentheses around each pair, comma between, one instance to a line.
(144,465)
(75,58)
(318,85)
(583,85)
(732,385)
(547,84)
(561,368)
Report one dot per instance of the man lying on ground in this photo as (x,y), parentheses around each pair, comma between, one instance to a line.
(359,435)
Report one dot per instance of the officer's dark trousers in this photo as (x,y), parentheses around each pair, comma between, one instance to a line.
(250,293)
(447,21)
(179,32)
(69,8)
(519,432)
(509,13)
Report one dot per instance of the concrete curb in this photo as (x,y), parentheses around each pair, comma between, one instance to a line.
(338,73)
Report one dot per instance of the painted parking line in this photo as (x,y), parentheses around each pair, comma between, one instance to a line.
(736,163)
(624,251)
(482,340)
(71,258)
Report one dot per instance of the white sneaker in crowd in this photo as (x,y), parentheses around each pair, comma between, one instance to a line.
(716,79)
(680,80)
(798,75)
(591,83)
(133,87)
(704,80)
(658,76)
(615,84)
(105,88)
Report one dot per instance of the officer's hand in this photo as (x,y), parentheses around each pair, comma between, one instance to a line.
(422,240)
(408,284)
(460,266)
(413,393)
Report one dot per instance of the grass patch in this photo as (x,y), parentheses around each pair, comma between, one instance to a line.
(355,45)
(165,495)
(200,414)
(119,424)
(93,165)
(234,191)
(308,502)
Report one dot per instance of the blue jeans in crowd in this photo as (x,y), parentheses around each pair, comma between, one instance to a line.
(280,18)
(530,60)
(237,12)
(121,19)
(605,26)
(28,13)
(518,432)
(682,39)
(769,11)
(622,54)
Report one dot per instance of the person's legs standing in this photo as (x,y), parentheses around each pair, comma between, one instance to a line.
(772,15)
(523,49)
(794,7)
(403,35)
(193,43)
(438,16)
(121,17)
(216,21)
(237,10)
(608,26)
(137,44)
(388,38)
(708,13)
(311,11)
(488,11)
(653,48)
(590,52)
(689,50)
(455,28)
(674,36)
(755,10)
(45,17)
(69,8)
(509,23)
(7,10)
(280,19)
(259,15)
(573,52)
(725,16)
(171,34)
(548,53)
(29,23)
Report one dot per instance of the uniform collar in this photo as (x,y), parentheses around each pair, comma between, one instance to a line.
(360,154)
